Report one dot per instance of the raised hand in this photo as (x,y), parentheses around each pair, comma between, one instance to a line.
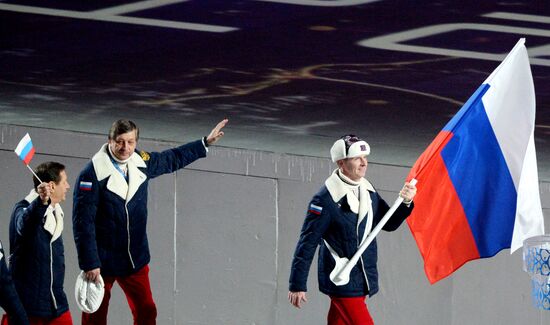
(216,132)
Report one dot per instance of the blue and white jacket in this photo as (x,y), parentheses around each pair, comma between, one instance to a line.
(37,261)
(336,220)
(110,213)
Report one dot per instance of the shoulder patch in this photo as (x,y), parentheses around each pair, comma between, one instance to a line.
(315,209)
(85,186)
(144,155)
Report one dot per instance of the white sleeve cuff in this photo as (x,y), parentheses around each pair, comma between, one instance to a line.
(204,143)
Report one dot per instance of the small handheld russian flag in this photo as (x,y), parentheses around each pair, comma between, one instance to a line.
(25,152)
(25,149)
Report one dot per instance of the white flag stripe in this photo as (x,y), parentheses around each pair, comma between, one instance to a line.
(510,106)
(22,144)
(529,218)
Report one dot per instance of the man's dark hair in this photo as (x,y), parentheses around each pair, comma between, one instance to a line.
(48,172)
(121,127)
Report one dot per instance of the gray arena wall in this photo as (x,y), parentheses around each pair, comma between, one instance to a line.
(223,230)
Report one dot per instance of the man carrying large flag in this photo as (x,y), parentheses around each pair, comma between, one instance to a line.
(478,191)
(340,219)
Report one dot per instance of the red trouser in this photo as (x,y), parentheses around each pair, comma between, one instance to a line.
(63,319)
(137,289)
(349,311)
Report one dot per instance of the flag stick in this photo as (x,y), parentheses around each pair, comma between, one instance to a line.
(32,171)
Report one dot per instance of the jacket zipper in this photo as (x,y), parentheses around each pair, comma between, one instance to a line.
(128,231)
(361,258)
(51,277)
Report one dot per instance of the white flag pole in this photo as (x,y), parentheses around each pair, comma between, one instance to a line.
(32,171)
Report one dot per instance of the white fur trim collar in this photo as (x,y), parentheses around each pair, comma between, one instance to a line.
(338,189)
(117,184)
(362,206)
(54,221)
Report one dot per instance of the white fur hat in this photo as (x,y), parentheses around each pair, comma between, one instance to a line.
(349,146)
(89,295)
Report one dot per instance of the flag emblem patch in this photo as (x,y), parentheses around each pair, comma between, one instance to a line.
(85,186)
(315,209)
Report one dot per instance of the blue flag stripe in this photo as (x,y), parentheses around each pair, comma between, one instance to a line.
(481,178)
(26,150)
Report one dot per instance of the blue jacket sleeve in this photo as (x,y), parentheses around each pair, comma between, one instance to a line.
(315,225)
(402,212)
(9,300)
(85,202)
(28,217)
(173,159)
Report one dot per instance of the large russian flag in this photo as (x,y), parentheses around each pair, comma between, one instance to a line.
(478,189)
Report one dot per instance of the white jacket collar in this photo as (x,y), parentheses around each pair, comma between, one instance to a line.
(362,206)
(54,221)
(117,184)
(338,189)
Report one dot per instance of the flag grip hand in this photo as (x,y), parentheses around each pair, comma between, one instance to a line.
(342,268)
